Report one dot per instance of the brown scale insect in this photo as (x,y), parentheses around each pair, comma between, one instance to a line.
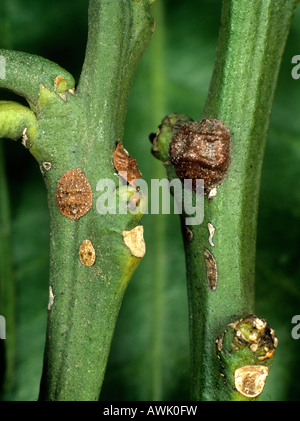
(126,165)
(74,194)
(202,150)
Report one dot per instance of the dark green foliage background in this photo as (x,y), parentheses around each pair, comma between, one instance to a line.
(150,351)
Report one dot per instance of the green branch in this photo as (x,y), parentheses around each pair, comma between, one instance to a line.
(118,35)
(86,299)
(72,135)
(17,121)
(220,253)
(251,44)
(22,73)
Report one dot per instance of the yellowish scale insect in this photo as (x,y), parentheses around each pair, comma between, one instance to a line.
(87,254)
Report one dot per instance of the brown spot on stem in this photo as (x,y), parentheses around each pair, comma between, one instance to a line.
(134,240)
(219,341)
(58,82)
(87,254)
(60,87)
(202,150)
(126,165)
(188,233)
(74,194)
(250,380)
(211,270)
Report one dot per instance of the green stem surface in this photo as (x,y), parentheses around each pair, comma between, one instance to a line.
(251,43)
(70,129)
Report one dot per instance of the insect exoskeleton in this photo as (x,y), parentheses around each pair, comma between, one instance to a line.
(87,254)
(126,165)
(74,194)
(202,150)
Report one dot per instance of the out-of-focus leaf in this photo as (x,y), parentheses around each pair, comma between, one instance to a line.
(30,233)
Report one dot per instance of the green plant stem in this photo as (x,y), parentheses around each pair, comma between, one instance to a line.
(81,322)
(24,73)
(79,130)
(118,36)
(251,43)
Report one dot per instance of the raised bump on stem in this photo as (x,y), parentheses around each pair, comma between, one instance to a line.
(22,73)
(17,120)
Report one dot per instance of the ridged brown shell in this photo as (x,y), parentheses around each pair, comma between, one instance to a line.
(125,164)
(202,150)
(74,194)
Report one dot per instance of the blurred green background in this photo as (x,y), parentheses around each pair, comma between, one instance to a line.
(150,352)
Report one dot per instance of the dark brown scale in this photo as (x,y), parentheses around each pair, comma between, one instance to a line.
(126,165)
(202,150)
